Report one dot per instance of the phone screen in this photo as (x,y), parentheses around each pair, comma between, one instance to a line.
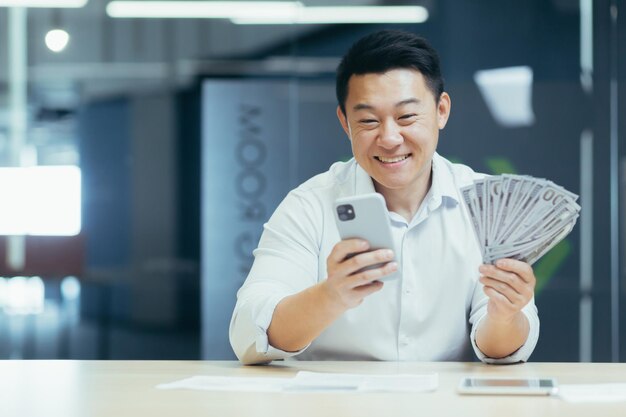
(509,382)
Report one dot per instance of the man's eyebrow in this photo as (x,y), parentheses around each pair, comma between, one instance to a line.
(364,106)
(408,101)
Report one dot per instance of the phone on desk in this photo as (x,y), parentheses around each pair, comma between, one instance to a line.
(365,217)
(507,386)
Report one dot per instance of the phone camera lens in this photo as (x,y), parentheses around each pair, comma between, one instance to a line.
(345,212)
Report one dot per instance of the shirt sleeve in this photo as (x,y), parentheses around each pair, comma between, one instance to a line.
(479,312)
(285,263)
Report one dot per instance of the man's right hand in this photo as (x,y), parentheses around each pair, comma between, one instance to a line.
(347,285)
(299,318)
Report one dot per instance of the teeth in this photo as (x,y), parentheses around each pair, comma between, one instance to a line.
(390,160)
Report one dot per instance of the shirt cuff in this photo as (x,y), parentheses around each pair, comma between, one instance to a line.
(523,353)
(262,323)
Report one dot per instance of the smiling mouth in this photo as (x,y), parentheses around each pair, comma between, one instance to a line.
(386,160)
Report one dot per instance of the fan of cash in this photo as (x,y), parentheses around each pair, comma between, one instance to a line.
(519,217)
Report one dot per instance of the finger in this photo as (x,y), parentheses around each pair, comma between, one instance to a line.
(513,297)
(509,278)
(498,297)
(523,269)
(371,275)
(365,260)
(368,289)
(346,247)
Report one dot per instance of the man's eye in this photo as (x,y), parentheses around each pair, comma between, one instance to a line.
(367,121)
(407,116)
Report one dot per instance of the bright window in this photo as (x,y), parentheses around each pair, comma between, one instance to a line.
(43,200)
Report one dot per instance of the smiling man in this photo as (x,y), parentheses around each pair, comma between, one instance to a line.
(305,298)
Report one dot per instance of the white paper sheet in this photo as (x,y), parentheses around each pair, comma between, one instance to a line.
(311,382)
(318,381)
(582,393)
(227,383)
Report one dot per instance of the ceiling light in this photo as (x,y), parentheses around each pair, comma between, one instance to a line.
(203,9)
(343,14)
(508,94)
(57,39)
(43,3)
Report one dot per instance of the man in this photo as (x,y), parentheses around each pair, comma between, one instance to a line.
(304,297)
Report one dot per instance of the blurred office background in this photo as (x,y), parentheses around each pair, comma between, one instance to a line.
(141,150)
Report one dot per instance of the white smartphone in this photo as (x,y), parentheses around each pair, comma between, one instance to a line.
(365,217)
(507,386)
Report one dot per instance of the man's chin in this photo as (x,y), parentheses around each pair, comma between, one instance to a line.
(397,183)
(386,184)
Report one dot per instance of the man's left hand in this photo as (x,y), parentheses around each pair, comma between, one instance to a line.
(510,285)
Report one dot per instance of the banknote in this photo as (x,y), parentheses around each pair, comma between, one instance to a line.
(519,216)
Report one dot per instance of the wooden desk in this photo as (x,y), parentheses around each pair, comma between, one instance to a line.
(127,388)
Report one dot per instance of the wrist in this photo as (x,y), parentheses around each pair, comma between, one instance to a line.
(329,299)
(507,320)
(498,338)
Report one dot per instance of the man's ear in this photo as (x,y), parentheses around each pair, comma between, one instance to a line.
(443,110)
(343,121)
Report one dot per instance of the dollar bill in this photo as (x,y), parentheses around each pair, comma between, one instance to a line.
(518,216)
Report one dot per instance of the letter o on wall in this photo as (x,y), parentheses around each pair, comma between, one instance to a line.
(251,152)
(251,184)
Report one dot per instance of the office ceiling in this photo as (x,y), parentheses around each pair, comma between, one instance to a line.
(107,55)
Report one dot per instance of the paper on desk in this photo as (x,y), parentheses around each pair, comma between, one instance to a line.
(311,382)
(228,383)
(583,393)
(318,381)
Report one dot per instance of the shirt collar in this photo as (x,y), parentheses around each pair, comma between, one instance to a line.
(363,183)
(442,191)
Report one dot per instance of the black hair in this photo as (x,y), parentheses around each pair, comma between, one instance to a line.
(386,50)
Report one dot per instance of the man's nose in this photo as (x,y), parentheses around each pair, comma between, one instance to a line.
(390,135)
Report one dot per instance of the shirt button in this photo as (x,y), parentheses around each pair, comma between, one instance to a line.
(407,291)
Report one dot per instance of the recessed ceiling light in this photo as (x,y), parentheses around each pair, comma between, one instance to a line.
(266,12)
(57,40)
(201,9)
(43,3)
(344,14)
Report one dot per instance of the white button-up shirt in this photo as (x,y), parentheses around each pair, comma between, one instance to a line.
(430,314)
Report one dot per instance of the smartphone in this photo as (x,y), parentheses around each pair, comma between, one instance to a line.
(365,217)
(507,386)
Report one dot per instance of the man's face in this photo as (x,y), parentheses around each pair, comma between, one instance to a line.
(393,122)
